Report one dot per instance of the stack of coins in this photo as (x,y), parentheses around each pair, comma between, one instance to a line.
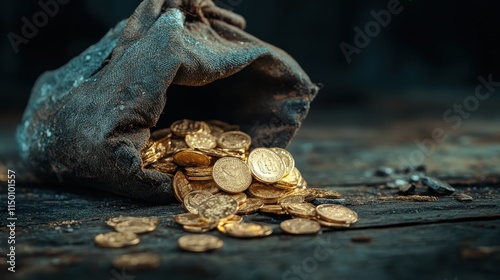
(127,230)
(216,178)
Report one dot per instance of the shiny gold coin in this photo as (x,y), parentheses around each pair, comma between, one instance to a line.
(199,178)
(332,225)
(152,152)
(231,175)
(201,140)
(292,179)
(300,226)
(291,199)
(137,225)
(239,197)
(336,213)
(273,209)
(191,158)
(176,145)
(287,159)
(201,228)
(324,193)
(199,242)
(184,127)
(308,194)
(302,210)
(181,186)
(233,219)
(200,171)
(251,205)
(190,219)
(116,239)
(234,140)
(137,261)
(302,183)
(264,191)
(194,199)
(218,207)
(247,230)
(209,186)
(266,165)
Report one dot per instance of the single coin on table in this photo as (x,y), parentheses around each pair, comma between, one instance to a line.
(300,226)
(199,242)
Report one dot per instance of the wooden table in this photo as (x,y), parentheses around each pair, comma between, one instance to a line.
(394,239)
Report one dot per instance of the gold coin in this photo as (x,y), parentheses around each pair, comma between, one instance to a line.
(292,179)
(302,183)
(193,200)
(201,140)
(189,219)
(137,225)
(209,186)
(116,239)
(302,210)
(264,191)
(199,178)
(176,145)
(332,225)
(233,219)
(183,127)
(137,261)
(291,199)
(323,193)
(246,230)
(251,205)
(200,228)
(273,209)
(200,171)
(181,186)
(266,165)
(231,175)
(308,194)
(217,207)
(336,213)
(164,166)
(300,226)
(239,197)
(234,140)
(287,159)
(199,243)
(191,158)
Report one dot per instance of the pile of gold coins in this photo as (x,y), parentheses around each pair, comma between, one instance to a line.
(216,179)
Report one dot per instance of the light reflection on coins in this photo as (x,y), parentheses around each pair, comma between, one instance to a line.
(266,165)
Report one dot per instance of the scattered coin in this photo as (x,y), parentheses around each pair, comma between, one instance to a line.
(137,225)
(336,213)
(246,230)
(300,226)
(251,205)
(218,207)
(194,199)
(231,175)
(116,239)
(199,243)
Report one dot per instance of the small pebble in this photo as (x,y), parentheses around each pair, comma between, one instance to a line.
(414,178)
(408,188)
(437,186)
(384,171)
(464,197)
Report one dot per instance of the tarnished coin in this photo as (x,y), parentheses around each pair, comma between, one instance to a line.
(287,159)
(137,261)
(300,226)
(137,225)
(190,219)
(264,191)
(302,210)
(231,175)
(199,242)
(266,165)
(116,239)
(191,158)
(324,193)
(209,186)
(201,140)
(234,140)
(239,197)
(194,199)
(336,213)
(246,230)
(181,186)
(218,207)
(251,205)
(184,127)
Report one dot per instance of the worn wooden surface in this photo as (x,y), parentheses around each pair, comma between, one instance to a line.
(443,239)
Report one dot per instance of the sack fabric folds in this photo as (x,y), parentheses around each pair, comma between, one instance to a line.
(86,122)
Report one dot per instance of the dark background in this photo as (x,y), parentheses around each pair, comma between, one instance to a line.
(432,50)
